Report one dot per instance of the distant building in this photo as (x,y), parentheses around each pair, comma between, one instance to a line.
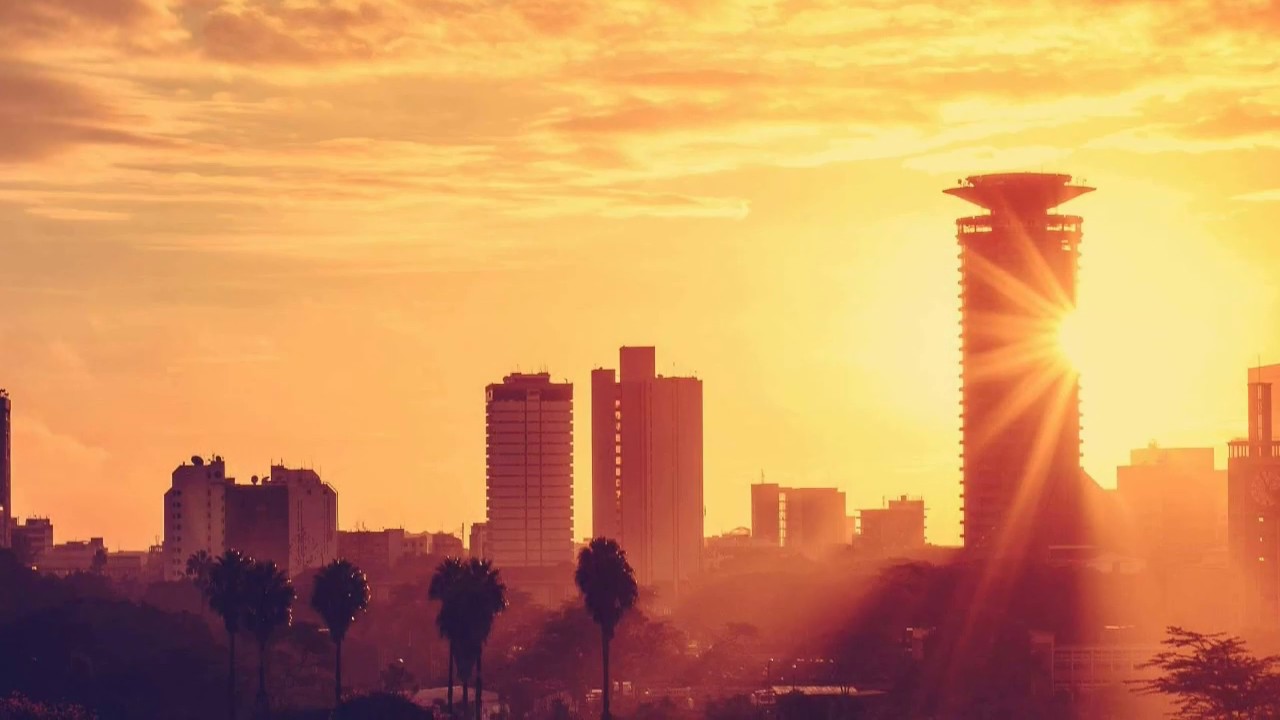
(1176,503)
(375,552)
(896,528)
(6,470)
(289,518)
(529,471)
(650,495)
(130,566)
(194,513)
(807,520)
(1253,511)
(71,557)
(478,543)
(32,539)
(433,543)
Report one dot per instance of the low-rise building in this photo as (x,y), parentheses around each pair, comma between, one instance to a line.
(32,539)
(73,557)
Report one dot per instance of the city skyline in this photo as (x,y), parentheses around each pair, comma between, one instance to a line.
(263,229)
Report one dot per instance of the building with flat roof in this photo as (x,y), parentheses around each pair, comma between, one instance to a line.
(898,527)
(1175,502)
(1253,511)
(649,496)
(375,552)
(289,517)
(194,513)
(1023,488)
(6,469)
(529,471)
(808,520)
(32,539)
(72,557)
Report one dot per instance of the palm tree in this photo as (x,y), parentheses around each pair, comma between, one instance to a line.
(340,592)
(268,605)
(443,583)
(608,586)
(484,596)
(224,591)
(198,567)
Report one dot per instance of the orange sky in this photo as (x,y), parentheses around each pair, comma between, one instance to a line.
(314,230)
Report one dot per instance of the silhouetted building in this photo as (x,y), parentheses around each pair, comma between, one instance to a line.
(194,513)
(433,543)
(478,541)
(30,540)
(898,527)
(1253,511)
(131,566)
(1175,502)
(1024,491)
(807,520)
(653,486)
(71,557)
(529,463)
(6,470)
(376,552)
(290,518)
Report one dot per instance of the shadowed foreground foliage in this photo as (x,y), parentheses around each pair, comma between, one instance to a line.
(1213,677)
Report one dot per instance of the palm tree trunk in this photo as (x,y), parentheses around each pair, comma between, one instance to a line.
(337,675)
(262,679)
(466,702)
(479,684)
(231,675)
(604,646)
(451,679)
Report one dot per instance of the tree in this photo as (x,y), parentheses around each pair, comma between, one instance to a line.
(609,590)
(443,584)
(340,592)
(99,563)
(1213,677)
(225,592)
(483,596)
(268,605)
(198,567)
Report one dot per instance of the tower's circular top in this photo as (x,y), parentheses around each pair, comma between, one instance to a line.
(1018,192)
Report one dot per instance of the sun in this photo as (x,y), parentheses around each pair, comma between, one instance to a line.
(1071,340)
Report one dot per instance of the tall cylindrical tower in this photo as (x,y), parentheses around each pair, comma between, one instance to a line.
(1023,488)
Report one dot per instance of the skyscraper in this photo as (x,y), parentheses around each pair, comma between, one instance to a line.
(529,438)
(1024,490)
(808,520)
(1253,510)
(6,472)
(647,467)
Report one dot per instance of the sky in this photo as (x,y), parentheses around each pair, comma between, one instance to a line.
(313,231)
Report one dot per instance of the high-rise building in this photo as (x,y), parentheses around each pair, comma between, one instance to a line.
(289,517)
(1024,491)
(529,443)
(478,541)
(895,528)
(1175,502)
(808,520)
(649,496)
(1253,511)
(194,513)
(6,471)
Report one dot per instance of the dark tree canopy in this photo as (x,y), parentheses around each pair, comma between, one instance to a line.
(1213,677)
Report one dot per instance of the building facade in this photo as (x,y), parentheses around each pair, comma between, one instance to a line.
(898,527)
(650,496)
(73,557)
(1023,488)
(478,541)
(376,552)
(529,471)
(289,517)
(32,539)
(808,520)
(1175,502)
(194,513)
(1253,512)
(6,469)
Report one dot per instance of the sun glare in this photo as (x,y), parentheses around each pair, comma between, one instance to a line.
(1071,340)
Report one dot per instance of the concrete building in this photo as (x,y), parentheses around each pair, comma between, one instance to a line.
(376,552)
(6,470)
(808,520)
(194,513)
(72,557)
(1253,511)
(442,544)
(898,527)
(32,539)
(1175,502)
(529,471)
(650,496)
(478,542)
(1024,491)
(289,517)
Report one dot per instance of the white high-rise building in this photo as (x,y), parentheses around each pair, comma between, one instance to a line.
(529,423)
(194,513)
